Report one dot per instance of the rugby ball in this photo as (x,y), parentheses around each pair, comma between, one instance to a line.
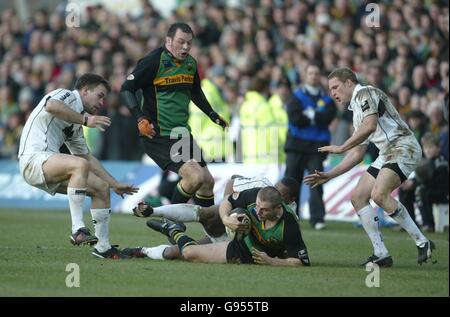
(242,217)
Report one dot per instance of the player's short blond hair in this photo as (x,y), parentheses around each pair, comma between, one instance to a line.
(343,73)
(270,194)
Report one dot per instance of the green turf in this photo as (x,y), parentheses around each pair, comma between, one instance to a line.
(34,252)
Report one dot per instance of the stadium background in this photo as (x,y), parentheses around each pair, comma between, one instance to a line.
(41,49)
(47,44)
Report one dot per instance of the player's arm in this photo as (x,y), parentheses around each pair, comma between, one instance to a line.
(368,126)
(225,209)
(199,98)
(61,111)
(97,168)
(261,257)
(351,159)
(236,200)
(140,78)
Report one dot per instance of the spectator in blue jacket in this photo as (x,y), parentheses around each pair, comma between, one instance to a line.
(310,112)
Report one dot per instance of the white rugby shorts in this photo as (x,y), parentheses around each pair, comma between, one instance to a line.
(404,151)
(31,170)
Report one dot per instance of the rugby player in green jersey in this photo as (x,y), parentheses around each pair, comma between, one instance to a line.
(274,236)
(169,80)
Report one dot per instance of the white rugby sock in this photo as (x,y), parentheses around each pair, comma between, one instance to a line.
(76,199)
(155,253)
(100,218)
(178,212)
(369,222)
(403,218)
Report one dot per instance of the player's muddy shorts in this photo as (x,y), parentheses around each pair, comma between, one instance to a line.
(30,166)
(402,156)
(237,252)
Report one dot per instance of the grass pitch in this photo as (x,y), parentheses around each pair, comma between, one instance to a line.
(35,251)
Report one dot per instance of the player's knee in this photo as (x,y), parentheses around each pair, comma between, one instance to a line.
(378,197)
(80,165)
(208,181)
(189,254)
(195,180)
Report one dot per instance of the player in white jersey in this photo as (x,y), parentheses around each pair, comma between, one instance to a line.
(375,120)
(58,120)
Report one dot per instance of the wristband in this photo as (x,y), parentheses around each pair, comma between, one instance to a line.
(85,121)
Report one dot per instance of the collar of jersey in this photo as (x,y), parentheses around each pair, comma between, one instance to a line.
(355,91)
(79,102)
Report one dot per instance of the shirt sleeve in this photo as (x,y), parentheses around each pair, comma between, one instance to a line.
(143,74)
(368,101)
(141,77)
(244,198)
(293,241)
(77,143)
(198,97)
(68,98)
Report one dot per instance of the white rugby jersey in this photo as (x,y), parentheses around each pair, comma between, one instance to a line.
(43,132)
(367,100)
(243,183)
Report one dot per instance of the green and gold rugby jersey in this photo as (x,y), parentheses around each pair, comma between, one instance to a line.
(168,86)
(282,240)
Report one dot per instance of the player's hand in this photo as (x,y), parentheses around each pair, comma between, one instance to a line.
(337,149)
(143,209)
(316,179)
(122,189)
(146,127)
(217,119)
(99,122)
(235,224)
(260,257)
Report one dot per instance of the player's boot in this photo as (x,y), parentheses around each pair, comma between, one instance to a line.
(83,237)
(134,252)
(381,262)
(112,253)
(425,252)
(143,209)
(166,227)
(304,258)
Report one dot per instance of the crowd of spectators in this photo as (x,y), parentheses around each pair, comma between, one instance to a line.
(406,55)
